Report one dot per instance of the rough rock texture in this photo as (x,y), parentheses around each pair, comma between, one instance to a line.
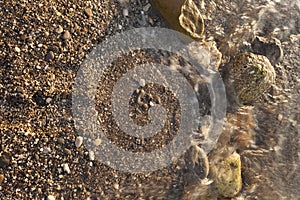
(227,175)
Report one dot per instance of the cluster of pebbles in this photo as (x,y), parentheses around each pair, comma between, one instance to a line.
(42,45)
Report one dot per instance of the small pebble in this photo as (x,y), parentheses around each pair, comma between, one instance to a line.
(49,56)
(17,49)
(91,155)
(23,37)
(66,35)
(1,178)
(116,186)
(97,142)
(57,13)
(280,117)
(4,161)
(50,197)
(142,82)
(59,29)
(66,168)
(88,12)
(125,12)
(61,140)
(48,100)
(78,141)
(47,150)
(152,103)
(68,151)
(146,7)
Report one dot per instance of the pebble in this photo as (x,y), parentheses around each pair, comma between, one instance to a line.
(61,140)
(269,47)
(152,103)
(280,117)
(47,150)
(48,100)
(66,168)
(116,186)
(228,176)
(57,13)
(23,37)
(78,141)
(49,56)
(249,76)
(142,82)
(59,29)
(50,197)
(91,155)
(88,12)
(146,7)
(97,142)
(67,151)
(66,35)
(17,49)
(4,161)
(1,178)
(125,12)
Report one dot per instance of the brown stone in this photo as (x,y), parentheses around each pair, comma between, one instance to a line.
(88,12)
(1,178)
(4,161)
(49,56)
(66,35)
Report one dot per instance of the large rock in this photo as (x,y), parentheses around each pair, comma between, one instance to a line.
(227,177)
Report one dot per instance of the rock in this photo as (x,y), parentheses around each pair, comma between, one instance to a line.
(50,197)
(269,47)
(97,142)
(249,76)
(59,29)
(191,19)
(183,15)
(67,151)
(23,37)
(91,155)
(116,186)
(4,160)
(49,56)
(227,175)
(125,12)
(17,49)
(146,7)
(142,82)
(66,35)
(88,12)
(78,141)
(61,140)
(196,162)
(66,168)
(1,178)
(48,100)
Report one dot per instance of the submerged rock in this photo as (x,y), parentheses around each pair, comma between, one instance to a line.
(227,175)
(249,76)
(183,15)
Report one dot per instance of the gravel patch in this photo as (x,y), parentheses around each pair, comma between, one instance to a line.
(42,45)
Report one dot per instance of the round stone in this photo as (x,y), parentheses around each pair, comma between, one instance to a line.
(249,76)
